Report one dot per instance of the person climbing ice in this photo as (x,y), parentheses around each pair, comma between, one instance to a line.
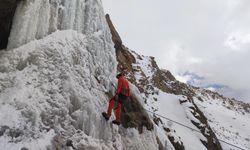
(122,94)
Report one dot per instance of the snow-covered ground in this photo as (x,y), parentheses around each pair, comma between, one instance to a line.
(230,125)
(168,105)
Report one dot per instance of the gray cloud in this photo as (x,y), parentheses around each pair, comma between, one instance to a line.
(210,38)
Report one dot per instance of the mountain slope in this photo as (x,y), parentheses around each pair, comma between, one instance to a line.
(190,106)
(215,116)
(229,118)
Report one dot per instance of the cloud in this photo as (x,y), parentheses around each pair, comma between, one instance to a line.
(191,79)
(209,37)
(238,41)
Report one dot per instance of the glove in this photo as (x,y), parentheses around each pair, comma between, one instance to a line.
(116,97)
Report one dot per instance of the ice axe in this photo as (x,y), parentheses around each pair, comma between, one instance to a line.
(112,83)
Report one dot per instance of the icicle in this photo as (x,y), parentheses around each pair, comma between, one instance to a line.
(35,19)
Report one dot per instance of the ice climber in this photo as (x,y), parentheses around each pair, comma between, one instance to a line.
(122,94)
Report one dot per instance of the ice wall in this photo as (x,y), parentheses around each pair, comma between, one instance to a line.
(54,90)
(35,19)
(54,84)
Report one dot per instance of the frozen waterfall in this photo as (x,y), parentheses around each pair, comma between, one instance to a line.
(54,84)
(35,19)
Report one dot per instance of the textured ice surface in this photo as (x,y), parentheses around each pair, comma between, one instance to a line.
(35,19)
(56,86)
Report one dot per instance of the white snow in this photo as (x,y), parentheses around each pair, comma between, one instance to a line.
(144,63)
(40,143)
(52,84)
(229,125)
(168,105)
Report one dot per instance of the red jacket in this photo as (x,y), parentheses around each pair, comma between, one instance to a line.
(123,86)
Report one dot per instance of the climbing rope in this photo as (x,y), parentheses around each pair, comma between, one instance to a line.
(192,128)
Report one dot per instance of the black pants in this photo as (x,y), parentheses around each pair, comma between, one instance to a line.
(126,104)
(122,98)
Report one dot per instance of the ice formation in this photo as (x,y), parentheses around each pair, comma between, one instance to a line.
(54,83)
(54,88)
(34,19)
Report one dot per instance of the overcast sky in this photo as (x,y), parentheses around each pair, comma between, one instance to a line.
(210,38)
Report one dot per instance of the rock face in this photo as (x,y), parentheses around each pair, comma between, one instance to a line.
(135,117)
(149,78)
(163,80)
(7,10)
(115,35)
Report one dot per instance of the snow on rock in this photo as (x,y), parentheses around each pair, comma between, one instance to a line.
(163,103)
(229,122)
(168,105)
(228,119)
(202,111)
(144,63)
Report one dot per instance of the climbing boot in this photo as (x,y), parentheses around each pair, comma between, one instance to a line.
(105,115)
(116,122)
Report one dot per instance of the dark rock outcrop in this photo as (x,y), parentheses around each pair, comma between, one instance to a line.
(178,145)
(212,142)
(7,11)
(135,116)
(115,36)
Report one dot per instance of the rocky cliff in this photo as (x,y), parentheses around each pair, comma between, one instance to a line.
(144,72)
(7,11)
